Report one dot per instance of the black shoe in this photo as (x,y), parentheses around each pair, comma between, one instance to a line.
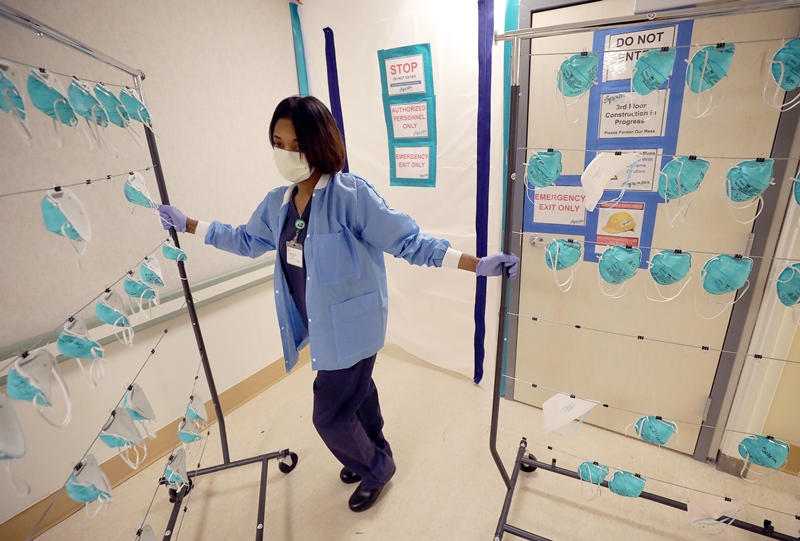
(364,498)
(348,477)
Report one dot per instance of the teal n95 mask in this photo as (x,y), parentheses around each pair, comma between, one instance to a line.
(139,408)
(136,192)
(65,215)
(562,254)
(12,444)
(652,70)
(175,471)
(574,78)
(654,429)
(723,274)
(626,484)
(594,474)
(706,68)
(788,288)
(745,182)
(11,102)
(764,451)
(47,94)
(89,484)
(150,271)
(681,177)
(543,168)
(561,409)
(785,72)
(616,266)
(291,165)
(669,267)
(74,341)
(706,510)
(172,252)
(120,433)
(117,113)
(136,109)
(187,433)
(89,108)
(110,310)
(30,379)
(196,410)
(143,293)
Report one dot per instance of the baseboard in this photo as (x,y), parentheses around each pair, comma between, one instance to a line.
(18,527)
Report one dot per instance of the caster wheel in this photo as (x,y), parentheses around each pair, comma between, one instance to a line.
(526,468)
(288,464)
(173,495)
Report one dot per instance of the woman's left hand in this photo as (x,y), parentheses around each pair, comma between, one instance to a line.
(493,265)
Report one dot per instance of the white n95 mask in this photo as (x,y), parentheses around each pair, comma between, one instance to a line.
(12,444)
(291,165)
(120,433)
(88,484)
(139,408)
(175,471)
(30,378)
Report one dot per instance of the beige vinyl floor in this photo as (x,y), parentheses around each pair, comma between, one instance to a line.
(446,487)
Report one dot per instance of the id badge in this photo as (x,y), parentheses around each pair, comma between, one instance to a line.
(294,253)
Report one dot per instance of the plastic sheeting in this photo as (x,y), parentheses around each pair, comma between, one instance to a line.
(430,310)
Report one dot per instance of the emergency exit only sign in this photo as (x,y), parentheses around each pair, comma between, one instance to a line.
(618,65)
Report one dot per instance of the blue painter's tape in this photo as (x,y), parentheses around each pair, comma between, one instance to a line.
(299,50)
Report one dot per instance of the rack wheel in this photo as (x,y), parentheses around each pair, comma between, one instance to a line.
(525,467)
(285,465)
(173,495)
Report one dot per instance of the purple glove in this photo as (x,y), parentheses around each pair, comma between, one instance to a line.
(493,265)
(172,217)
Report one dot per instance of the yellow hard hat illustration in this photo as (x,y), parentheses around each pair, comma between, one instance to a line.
(619,222)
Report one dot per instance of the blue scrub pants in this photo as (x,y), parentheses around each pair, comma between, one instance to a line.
(347,416)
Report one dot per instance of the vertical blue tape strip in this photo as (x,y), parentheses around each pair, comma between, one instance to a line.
(333,87)
(485,36)
(299,50)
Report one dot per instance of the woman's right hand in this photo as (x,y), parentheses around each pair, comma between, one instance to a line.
(172,217)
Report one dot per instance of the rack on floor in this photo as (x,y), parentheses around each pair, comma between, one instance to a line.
(513,213)
(287,459)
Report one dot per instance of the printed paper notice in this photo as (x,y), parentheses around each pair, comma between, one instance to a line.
(563,205)
(405,75)
(412,162)
(619,223)
(641,175)
(410,119)
(627,114)
(618,66)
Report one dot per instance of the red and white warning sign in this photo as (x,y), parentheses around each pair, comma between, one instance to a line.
(405,75)
(410,119)
(412,162)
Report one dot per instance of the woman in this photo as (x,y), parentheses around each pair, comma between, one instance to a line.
(331,230)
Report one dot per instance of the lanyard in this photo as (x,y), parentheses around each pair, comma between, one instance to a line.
(299,225)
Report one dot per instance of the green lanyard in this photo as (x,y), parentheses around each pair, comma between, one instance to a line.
(299,225)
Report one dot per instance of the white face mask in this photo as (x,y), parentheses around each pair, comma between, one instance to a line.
(291,165)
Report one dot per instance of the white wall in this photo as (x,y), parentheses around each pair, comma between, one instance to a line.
(431,310)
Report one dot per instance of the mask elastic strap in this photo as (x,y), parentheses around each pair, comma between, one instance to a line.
(123,333)
(134,464)
(148,429)
(574,427)
(714,522)
(127,124)
(567,284)
(67,400)
(681,209)
(103,500)
(782,107)
(724,305)
(708,110)
(664,298)
(87,375)
(619,293)
(21,488)
(757,201)
(563,100)
(760,476)
(595,490)
(656,90)
(16,119)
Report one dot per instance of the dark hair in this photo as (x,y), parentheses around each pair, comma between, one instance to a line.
(317,133)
